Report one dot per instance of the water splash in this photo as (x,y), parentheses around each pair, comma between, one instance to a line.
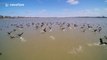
(76,50)
(94,44)
(52,37)
(22,39)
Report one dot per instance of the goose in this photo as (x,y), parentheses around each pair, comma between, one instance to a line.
(20,34)
(9,32)
(101,42)
(44,30)
(0,53)
(12,37)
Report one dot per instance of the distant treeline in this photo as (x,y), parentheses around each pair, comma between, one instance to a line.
(92,17)
(1,17)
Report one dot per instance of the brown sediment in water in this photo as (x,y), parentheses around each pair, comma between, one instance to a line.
(67,42)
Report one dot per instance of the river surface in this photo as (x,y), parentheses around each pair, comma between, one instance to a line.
(70,43)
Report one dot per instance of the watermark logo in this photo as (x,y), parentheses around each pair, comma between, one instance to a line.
(12,4)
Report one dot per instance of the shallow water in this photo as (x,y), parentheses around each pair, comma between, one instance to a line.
(71,44)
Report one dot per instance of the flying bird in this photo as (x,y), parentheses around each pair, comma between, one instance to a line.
(20,34)
(12,37)
(102,42)
(9,32)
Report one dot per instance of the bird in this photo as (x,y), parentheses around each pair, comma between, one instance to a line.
(105,43)
(105,37)
(9,32)
(12,37)
(14,30)
(75,25)
(44,29)
(33,23)
(0,53)
(95,30)
(101,42)
(20,34)
(99,29)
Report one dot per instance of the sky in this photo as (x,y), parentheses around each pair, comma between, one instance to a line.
(53,8)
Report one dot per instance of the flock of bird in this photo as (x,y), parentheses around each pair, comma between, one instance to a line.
(14,36)
(51,26)
(47,26)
